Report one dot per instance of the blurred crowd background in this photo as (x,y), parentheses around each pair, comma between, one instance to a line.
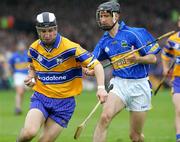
(77,21)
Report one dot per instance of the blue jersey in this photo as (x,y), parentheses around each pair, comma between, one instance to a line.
(19,62)
(113,48)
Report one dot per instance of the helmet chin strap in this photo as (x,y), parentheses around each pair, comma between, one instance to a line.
(114,17)
(108,28)
(47,44)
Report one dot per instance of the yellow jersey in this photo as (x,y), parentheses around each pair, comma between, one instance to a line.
(172,50)
(59,70)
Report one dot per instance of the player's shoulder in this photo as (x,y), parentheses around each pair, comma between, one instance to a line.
(35,44)
(14,55)
(140,32)
(136,29)
(174,36)
(69,43)
(130,31)
(104,38)
(102,41)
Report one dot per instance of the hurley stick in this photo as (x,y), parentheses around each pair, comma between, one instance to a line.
(82,125)
(130,53)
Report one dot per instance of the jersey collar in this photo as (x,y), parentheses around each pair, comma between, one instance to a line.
(56,42)
(121,26)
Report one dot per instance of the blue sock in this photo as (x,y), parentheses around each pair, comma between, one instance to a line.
(178,137)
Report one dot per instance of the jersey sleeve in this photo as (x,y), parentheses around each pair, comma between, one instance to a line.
(29,56)
(85,58)
(99,52)
(143,37)
(168,52)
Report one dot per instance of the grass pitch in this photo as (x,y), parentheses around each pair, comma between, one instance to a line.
(159,126)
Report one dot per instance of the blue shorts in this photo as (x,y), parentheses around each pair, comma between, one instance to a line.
(176,85)
(60,110)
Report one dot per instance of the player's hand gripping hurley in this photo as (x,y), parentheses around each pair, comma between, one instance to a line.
(130,53)
(82,125)
(163,79)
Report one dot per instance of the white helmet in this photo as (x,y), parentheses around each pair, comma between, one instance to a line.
(45,20)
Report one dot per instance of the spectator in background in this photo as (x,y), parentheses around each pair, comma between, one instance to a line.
(19,69)
(171,54)
(4,73)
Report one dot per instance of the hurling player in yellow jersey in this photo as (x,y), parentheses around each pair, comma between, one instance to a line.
(172,51)
(55,74)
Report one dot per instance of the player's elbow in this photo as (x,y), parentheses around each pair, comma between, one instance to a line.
(151,59)
(98,67)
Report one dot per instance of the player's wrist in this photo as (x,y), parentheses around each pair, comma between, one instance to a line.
(100,87)
(33,80)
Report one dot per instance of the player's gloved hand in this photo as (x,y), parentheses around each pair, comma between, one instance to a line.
(102,94)
(29,81)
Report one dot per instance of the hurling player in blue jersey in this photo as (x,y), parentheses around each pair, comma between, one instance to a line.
(19,68)
(130,75)
(56,76)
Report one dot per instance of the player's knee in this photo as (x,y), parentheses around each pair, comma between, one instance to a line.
(105,119)
(45,139)
(29,133)
(178,111)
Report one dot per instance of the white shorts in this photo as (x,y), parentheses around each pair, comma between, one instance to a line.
(135,93)
(19,79)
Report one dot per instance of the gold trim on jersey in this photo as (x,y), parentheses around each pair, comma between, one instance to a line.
(122,63)
(59,73)
(20,66)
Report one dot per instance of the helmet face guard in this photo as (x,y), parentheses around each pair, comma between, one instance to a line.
(45,21)
(109,7)
(44,28)
(103,27)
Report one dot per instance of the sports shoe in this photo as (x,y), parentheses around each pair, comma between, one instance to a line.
(18,111)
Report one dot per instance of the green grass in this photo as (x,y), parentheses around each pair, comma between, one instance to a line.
(159,126)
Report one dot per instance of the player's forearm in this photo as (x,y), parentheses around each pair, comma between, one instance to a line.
(99,73)
(148,59)
(31,71)
(165,65)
